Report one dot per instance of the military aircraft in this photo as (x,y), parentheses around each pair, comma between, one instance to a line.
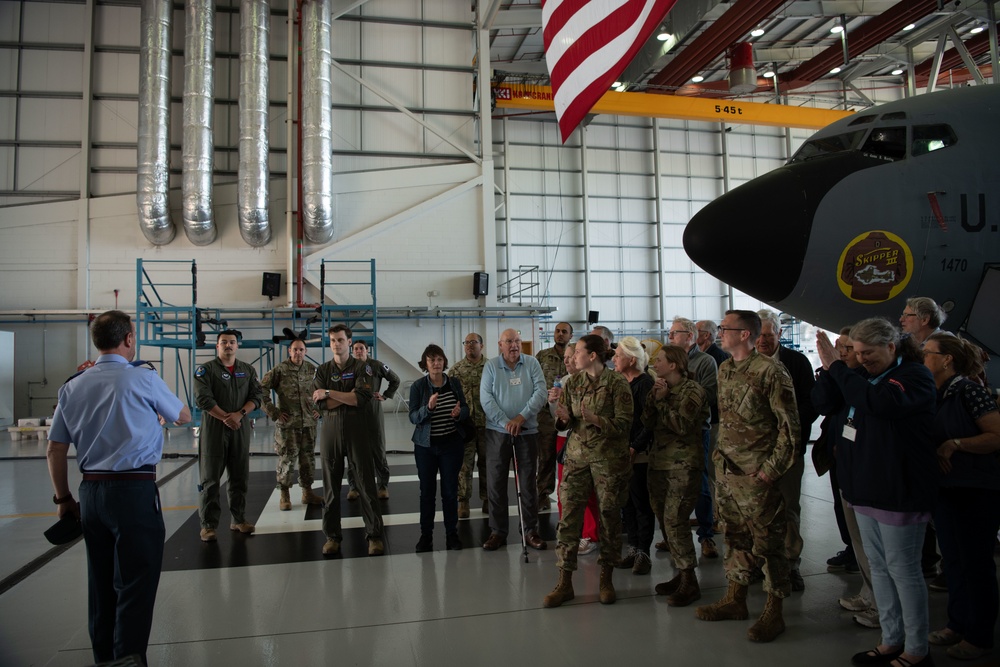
(899,200)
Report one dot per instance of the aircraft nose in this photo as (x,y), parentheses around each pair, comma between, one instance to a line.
(754,238)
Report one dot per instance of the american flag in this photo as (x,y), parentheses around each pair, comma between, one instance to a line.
(588,44)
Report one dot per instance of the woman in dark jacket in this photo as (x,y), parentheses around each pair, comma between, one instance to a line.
(437,408)
(967,432)
(888,473)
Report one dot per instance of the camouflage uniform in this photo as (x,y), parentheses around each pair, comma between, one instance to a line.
(758,427)
(597,460)
(380,372)
(553,366)
(470,374)
(676,462)
(348,431)
(295,438)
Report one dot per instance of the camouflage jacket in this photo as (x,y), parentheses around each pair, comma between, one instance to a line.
(676,421)
(294,386)
(470,374)
(607,396)
(758,418)
(552,365)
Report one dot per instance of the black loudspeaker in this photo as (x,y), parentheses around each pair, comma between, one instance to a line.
(593,317)
(480,284)
(271,285)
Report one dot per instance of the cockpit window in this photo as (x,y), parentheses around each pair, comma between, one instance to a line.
(895,115)
(862,120)
(928,138)
(887,143)
(827,146)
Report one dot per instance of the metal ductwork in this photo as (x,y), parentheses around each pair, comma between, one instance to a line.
(198,150)
(153,156)
(253,196)
(317,123)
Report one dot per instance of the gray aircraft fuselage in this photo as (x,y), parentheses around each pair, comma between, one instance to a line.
(896,201)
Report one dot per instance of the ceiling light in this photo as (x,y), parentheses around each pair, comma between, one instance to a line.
(768,74)
(757,32)
(910,27)
(978,29)
(835,70)
(897,72)
(697,78)
(664,36)
(837,28)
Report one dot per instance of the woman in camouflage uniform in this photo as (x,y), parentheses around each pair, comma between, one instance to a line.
(675,410)
(596,405)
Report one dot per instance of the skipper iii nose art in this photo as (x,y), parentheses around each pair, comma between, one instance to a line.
(896,201)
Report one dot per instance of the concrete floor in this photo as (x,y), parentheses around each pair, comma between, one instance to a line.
(438,608)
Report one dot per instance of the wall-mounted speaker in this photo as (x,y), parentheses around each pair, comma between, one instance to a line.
(271,285)
(593,317)
(480,284)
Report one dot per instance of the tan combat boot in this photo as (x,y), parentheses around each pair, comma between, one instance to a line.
(687,591)
(563,592)
(770,624)
(284,502)
(732,606)
(310,498)
(668,587)
(607,588)
(463,509)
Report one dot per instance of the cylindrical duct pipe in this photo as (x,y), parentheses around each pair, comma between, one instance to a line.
(253,196)
(198,151)
(317,123)
(153,155)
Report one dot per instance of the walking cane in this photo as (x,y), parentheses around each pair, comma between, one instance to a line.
(517,488)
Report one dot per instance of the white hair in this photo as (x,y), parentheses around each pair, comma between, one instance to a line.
(766,315)
(631,346)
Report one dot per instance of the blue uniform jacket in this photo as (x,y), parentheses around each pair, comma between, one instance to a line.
(891,464)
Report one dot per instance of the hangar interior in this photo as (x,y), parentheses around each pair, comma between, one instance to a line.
(422,174)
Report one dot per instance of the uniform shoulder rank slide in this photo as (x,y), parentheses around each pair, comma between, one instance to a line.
(139,362)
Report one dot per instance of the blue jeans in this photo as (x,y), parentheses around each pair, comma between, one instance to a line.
(444,455)
(898,582)
(123,531)
(703,506)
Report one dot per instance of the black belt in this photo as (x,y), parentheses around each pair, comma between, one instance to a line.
(142,474)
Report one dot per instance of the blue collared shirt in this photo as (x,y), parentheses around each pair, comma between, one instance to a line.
(109,413)
(505,393)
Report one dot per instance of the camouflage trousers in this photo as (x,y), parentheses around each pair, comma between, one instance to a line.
(295,445)
(609,481)
(790,486)
(672,495)
(546,475)
(754,516)
(475,457)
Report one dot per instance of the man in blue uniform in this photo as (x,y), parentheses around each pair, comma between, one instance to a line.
(111,412)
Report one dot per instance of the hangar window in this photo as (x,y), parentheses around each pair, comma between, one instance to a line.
(928,138)
(888,143)
(815,148)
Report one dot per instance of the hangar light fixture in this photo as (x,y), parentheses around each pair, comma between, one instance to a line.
(910,27)
(757,32)
(835,70)
(897,72)
(837,29)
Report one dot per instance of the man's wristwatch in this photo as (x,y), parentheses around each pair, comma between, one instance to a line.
(243,412)
(957,443)
(61,501)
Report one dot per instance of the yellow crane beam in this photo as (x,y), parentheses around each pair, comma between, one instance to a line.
(650,105)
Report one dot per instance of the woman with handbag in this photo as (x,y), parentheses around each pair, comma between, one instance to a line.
(437,410)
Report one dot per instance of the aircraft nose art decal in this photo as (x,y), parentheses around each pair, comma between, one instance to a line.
(874,267)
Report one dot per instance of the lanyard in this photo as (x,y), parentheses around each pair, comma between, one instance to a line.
(876,380)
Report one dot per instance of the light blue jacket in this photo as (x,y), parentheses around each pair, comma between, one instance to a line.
(506,393)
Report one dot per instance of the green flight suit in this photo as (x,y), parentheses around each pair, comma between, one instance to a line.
(380,372)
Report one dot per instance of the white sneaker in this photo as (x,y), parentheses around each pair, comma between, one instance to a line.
(854,603)
(868,618)
(586,547)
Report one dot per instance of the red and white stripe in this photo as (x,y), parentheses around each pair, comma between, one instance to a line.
(588,44)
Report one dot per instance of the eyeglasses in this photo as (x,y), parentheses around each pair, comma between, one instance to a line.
(671,334)
(516,341)
(725,329)
(926,352)
(471,342)
(909,315)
